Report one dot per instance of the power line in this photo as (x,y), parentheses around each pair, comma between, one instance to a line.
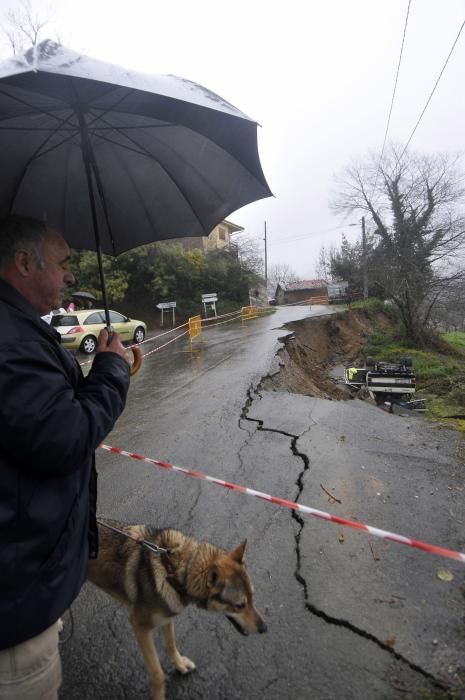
(432,92)
(307,235)
(392,102)
(394,91)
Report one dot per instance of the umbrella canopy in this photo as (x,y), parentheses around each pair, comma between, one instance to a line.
(95,149)
(84,298)
(87,296)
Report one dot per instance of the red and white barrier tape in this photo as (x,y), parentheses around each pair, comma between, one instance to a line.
(383,534)
(168,342)
(215,318)
(181,335)
(220,323)
(160,335)
(147,340)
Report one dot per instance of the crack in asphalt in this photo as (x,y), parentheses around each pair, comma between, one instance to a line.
(252,394)
(191,511)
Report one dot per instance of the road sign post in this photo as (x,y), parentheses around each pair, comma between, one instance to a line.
(209,302)
(166,306)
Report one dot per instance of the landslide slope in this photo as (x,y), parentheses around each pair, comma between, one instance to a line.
(318,345)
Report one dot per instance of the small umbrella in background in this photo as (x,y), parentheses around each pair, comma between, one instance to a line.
(114,159)
(86,297)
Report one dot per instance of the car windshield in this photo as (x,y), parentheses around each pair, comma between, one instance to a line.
(67,320)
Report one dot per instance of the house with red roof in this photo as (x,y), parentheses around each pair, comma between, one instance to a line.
(304,290)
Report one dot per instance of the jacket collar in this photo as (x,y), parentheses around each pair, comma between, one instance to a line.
(13,298)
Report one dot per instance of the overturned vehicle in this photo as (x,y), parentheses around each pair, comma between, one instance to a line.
(386,382)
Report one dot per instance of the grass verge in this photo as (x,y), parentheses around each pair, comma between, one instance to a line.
(440,375)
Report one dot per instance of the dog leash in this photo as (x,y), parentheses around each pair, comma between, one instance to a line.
(161,551)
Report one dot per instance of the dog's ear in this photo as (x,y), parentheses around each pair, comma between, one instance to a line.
(238,553)
(213,577)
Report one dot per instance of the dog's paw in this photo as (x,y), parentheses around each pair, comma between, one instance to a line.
(184,665)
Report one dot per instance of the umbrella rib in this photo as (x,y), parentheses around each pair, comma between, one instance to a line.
(91,164)
(37,153)
(142,126)
(93,128)
(37,128)
(49,112)
(141,199)
(149,155)
(35,110)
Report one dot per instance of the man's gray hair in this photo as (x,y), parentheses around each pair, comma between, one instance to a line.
(21,233)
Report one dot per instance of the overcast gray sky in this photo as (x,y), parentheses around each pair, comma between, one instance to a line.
(317,76)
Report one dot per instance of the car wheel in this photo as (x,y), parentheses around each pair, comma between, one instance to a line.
(88,345)
(139,334)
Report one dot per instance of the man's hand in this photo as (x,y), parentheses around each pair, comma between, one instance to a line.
(115,345)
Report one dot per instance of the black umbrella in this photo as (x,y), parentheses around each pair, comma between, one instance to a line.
(114,159)
(84,295)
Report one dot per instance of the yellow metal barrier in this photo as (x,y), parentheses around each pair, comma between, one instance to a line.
(195,328)
(318,300)
(249,312)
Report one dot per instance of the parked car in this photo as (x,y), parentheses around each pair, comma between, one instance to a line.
(79,330)
(48,317)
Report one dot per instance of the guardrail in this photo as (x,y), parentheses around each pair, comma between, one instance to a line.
(195,329)
(248,313)
(323,299)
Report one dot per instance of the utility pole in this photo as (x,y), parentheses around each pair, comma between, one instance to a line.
(364,260)
(266,264)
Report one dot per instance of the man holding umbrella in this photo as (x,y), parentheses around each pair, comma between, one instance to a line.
(51,421)
(117,159)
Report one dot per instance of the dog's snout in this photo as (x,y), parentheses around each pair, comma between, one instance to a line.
(261,627)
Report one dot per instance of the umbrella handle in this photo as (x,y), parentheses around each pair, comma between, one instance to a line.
(136,352)
(136,365)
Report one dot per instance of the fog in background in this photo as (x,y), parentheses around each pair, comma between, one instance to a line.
(318,77)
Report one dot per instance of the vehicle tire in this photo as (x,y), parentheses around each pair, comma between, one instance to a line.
(88,344)
(370,362)
(139,334)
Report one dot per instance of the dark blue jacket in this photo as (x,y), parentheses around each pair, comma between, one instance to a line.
(51,421)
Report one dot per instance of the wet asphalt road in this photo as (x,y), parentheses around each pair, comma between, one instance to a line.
(349,616)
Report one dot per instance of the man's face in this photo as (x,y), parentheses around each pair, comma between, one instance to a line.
(48,285)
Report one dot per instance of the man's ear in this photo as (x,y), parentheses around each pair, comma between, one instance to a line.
(23,262)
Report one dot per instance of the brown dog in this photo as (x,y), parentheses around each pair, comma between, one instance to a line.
(158,586)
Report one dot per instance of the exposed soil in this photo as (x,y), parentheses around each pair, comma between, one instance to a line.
(317,346)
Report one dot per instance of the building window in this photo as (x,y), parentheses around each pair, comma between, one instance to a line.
(221,233)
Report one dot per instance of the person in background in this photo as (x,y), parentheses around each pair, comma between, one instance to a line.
(71,306)
(52,419)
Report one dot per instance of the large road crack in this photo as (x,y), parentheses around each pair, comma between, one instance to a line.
(253,394)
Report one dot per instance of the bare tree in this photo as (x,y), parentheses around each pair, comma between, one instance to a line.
(449,311)
(414,206)
(23,26)
(323,269)
(281,274)
(250,252)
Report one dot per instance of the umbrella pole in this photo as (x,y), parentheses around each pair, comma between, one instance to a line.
(89,165)
(88,156)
